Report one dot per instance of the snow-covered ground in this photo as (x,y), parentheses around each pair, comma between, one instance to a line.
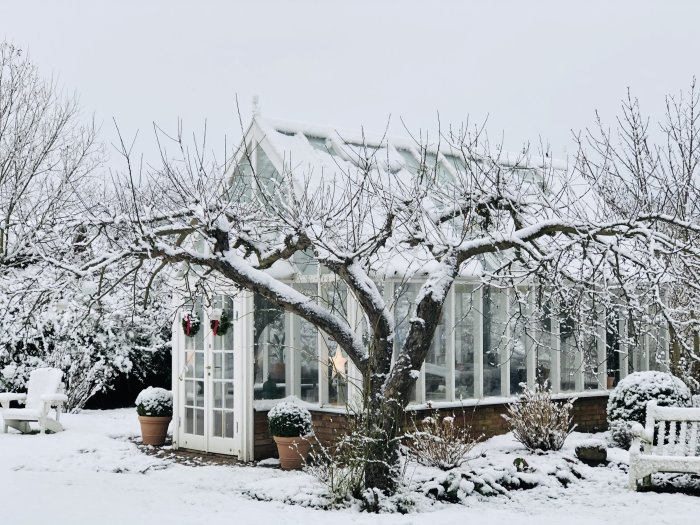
(93,473)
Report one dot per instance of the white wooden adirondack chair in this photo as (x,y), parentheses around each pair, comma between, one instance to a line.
(44,391)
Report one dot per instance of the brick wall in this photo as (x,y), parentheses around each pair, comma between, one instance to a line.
(588,413)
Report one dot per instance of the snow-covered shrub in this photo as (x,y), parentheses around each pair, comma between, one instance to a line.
(155,402)
(289,420)
(340,467)
(627,404)
(538,422)
(94,337)
(437,441)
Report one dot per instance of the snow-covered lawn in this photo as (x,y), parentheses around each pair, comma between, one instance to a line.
(93,473)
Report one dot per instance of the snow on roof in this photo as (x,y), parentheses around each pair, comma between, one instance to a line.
(319,147)
(317,155)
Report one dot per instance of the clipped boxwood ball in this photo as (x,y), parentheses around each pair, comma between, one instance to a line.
(627,403)
(289,420)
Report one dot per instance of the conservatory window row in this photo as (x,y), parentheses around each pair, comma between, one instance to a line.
(486,346)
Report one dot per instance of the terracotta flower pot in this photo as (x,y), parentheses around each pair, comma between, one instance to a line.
(292,451)
(154,429)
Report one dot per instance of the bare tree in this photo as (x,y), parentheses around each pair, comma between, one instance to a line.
(547,229)
(49,179)
(652,169)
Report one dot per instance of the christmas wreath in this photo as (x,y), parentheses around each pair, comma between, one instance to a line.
(221,326)
(190,324)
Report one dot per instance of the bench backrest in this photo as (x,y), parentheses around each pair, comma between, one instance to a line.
(676,430)
(42,381)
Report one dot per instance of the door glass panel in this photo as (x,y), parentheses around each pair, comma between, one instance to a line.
(218,395)
(194,369)
(199,427)
(229,425)
(189,421)
(222,361)
(218,430)
(218,365)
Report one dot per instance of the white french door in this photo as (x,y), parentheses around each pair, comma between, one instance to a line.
(207,419)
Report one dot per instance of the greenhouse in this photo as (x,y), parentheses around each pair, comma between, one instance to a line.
(235,353)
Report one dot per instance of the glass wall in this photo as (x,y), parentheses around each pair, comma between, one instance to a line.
(490,342)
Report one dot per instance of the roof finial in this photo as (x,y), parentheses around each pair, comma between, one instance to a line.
(256,106)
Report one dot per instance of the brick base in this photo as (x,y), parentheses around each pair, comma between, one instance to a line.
(588,414)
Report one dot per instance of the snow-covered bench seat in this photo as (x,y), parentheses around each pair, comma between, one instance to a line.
(675,449)
(44,391)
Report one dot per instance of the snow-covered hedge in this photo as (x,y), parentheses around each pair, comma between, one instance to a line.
(627,403)
(289,420)
(155,402)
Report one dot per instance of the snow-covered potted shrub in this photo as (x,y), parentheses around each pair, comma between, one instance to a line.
(155,409)
(290,426)
(628,402)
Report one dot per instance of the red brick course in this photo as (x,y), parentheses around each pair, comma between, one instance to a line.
(588,413)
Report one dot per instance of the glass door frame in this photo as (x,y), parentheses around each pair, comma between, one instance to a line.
(207,442)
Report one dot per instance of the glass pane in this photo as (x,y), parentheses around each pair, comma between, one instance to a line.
(189,393)
(218,365)
(189,364)
(567,350)
(199,427)
(543,348)
(464,342)
(189,421)
(218,395)
(436,365)
(199,393)
(199,365)
(228,395)
(270,351)
(308,350)
(337,373)
(228,365)
(222,307)
(495,338)
(404,307)
(218,427)
(229,424)
(519,341)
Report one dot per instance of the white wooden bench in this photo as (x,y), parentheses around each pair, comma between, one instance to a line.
(675,449)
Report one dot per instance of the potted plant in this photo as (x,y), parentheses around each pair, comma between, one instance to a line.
(155,410)
(290,426)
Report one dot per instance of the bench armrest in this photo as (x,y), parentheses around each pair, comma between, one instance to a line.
(638,431)
(54,399)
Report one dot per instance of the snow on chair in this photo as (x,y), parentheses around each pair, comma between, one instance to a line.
(44,391)
(668,443)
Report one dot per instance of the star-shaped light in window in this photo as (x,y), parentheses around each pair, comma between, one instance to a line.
(339,363)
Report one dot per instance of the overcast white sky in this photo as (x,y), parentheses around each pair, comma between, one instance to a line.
(538,68)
